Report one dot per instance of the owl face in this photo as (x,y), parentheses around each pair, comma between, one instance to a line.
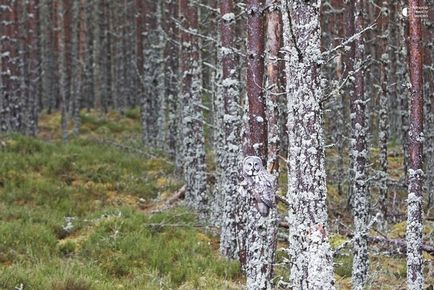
(252,165)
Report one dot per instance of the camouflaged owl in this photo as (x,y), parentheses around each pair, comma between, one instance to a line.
(260,183)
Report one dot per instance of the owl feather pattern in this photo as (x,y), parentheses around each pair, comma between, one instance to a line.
(261,184)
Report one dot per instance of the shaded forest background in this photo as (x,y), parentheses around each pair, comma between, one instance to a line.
(124,102)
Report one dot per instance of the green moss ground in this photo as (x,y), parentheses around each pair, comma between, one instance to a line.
(70,216)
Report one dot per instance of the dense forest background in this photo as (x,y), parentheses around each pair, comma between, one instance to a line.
(126,128)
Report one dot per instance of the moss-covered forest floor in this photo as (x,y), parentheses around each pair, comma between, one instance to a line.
(80,216)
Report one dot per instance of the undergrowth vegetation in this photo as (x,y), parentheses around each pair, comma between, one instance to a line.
(77,216)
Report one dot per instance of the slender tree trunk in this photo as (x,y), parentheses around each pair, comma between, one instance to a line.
(215,88)
(403,79)
(89,80)
(192,119)
(311,264)
(429,94)
(359,155)
(233,205)
(273,93)
(349,88)
(11,107)
(62,25)
(171,75)
(34,83)
(79,60)
(383,118)
(415,140)
(257,130)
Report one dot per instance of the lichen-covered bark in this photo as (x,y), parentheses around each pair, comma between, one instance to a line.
(257,130)
(31,64)
(338,113)
(89,80)
(78,57)
(63,24)
(260,246)
(383,119)
(311,264)
(349,88)
(191,112)
(415,141)
(171,75)
(159,106)
(273,92)
(359,155)
(11,114)
(403,88)
(231,121)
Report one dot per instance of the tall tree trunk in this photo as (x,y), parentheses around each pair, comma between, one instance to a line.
(257,130)
(359,155)
(311,263)
(171,75)
(403,79)
(273,86)
(415,140)
(192,118)
(215,88)
(89,80)
(383,118)
(79,63)
(34,82)
(349,88)
(429,96)
(11,106)
(232,203)
(62,24)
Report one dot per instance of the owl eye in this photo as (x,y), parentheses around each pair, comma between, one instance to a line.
(250,163)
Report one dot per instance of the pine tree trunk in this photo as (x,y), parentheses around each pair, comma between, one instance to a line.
(89,80)
(273,86)
(429,97)
(311,263)
(403,79)
(415,141)
(11,107)
(257,130)
(231,121)
(62,25)
(383,118)
(34,82)
(171,75)
(359,155)
(191,112)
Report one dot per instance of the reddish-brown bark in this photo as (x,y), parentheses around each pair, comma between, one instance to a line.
(274,41)
(415,140)
(257,130)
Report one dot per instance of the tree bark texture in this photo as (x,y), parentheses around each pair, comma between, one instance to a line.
(359,155)
(257,130)
(232,122)
(192,119)
(311,264)
(415,141)
(273,85)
